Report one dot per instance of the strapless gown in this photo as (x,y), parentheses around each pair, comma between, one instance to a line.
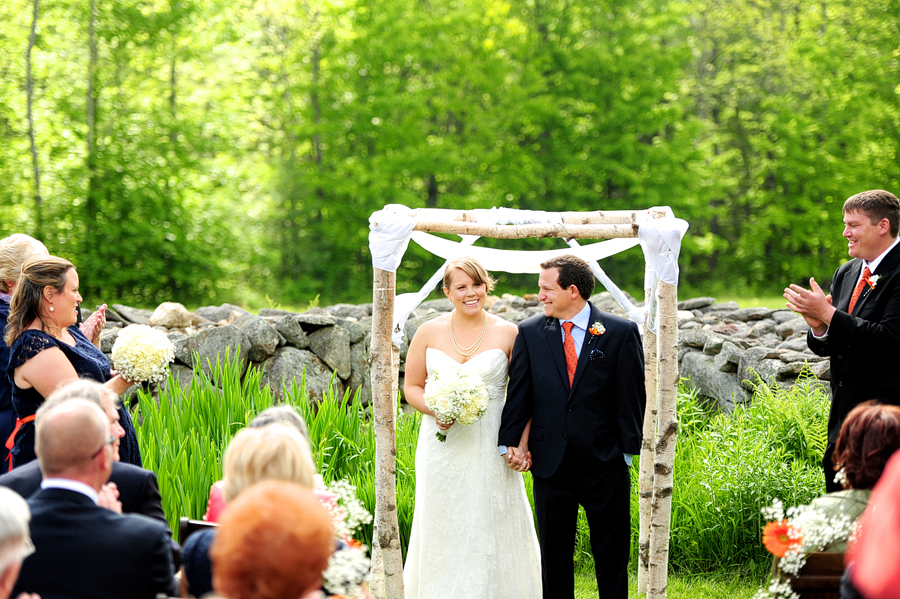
(473,533)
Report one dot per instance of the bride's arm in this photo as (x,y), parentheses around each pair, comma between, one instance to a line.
(416,373)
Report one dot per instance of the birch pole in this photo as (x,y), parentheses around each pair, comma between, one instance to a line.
(648,457)
(387,562)
(664,465)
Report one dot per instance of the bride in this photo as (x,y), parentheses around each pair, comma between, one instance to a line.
(473,532)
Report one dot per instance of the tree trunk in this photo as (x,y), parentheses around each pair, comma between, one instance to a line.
(38,203)
(90,203)
(387,565)
(648,457)
(661,515)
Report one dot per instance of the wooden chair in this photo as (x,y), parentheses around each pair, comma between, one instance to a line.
(820,578)
(187,527)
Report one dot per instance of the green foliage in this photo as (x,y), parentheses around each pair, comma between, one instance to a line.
(728,466)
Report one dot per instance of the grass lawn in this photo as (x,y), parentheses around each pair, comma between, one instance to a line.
(718,585)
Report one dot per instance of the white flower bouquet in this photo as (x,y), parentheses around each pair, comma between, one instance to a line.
(792,537)
(460,397)
(141,353)
(348,567)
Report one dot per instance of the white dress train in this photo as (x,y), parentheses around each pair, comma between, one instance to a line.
(473,533)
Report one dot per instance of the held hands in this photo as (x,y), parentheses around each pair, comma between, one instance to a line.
(813,305)
(518,458)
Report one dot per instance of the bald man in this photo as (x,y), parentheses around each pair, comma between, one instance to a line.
(84,550)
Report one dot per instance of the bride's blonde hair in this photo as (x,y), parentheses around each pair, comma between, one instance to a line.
(471,267)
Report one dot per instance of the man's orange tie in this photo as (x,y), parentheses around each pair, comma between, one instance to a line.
(858,289)
(569,347)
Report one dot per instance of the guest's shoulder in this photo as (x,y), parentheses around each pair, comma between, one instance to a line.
(24,480)
(124,470)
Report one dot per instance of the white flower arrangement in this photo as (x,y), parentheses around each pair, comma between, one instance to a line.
(873,280)
(141,353)
(348,569)
(460,397)
(792,537)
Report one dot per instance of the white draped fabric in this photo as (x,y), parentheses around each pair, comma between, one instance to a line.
(392,228)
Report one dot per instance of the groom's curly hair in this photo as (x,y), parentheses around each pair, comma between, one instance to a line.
(573,271)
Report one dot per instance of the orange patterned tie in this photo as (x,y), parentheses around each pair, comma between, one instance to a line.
(569,347)
(858,289)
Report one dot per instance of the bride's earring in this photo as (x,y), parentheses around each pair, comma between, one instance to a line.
(51,308)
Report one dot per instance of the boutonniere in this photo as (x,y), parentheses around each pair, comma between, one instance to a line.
(873,280)
(597,328)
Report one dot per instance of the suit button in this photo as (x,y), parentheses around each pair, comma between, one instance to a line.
(570,409)
(565,436)
(840,357)
(841,384)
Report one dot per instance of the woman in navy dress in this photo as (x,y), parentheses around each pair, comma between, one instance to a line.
(47,350)
(14,250)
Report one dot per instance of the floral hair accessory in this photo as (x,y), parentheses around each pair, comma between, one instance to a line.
(873,280)
(597,328)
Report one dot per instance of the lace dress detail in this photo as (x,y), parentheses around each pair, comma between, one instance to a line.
(473,531)
(88,362)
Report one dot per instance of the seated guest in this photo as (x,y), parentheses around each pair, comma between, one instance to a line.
(274,543)
(81,549)
(274,452)
(274,415)
(15,545)
(869,436)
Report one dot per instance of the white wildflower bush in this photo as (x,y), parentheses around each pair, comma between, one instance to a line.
(460,396)
(142,353)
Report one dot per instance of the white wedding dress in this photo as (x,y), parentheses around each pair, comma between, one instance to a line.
(473,532)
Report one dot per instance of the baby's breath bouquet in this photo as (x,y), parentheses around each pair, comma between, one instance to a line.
(791,537)
(460,396)
(141,353)
(348,567)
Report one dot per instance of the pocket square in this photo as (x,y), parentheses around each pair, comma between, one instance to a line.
(596,354)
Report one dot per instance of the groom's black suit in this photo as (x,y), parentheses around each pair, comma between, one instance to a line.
(577,441)
(863,345)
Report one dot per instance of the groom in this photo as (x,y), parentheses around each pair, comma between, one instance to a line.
(578,375)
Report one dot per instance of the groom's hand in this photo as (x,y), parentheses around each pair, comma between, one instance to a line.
(514,458)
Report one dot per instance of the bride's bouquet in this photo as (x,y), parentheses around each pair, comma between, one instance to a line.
(460,396)
(141,353)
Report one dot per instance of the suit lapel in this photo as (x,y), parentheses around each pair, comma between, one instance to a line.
(847,290)
(590,341)
(554,339)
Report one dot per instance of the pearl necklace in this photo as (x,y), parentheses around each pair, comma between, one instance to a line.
(468,351)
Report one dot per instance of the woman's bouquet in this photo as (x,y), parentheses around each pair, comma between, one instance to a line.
(460,397)
(141,353)
(348,566)
(792,537)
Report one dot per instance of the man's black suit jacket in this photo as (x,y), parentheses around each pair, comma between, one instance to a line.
(600,418)
(86,551)
(864,346)
(138,489)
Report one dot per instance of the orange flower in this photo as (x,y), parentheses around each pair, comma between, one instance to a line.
(778,537)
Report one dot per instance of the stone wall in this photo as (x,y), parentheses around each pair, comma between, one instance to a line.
(721,349)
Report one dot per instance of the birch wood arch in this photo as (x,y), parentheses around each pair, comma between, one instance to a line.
(391,229)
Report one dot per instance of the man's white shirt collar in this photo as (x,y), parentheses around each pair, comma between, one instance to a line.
(581,319)
(71,485)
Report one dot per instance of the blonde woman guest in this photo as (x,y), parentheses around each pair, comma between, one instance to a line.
(14,251)
(473,532)
(275,452)
(47,350)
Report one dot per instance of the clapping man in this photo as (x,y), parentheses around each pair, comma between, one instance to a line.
(858,324)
